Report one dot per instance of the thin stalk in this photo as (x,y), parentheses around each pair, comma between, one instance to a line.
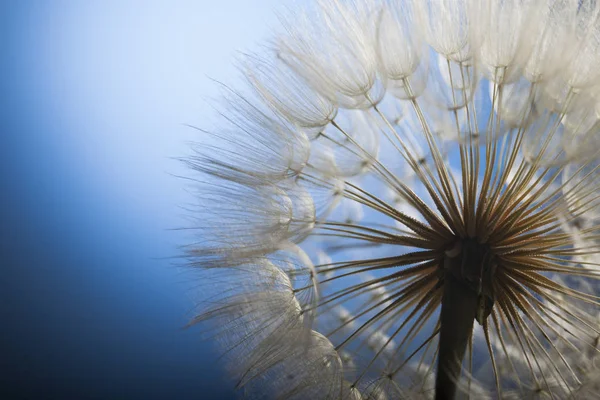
(459,308)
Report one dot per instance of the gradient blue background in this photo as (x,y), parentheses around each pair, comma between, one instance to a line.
(94,98)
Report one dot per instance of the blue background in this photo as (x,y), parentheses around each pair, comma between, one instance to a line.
(94,98)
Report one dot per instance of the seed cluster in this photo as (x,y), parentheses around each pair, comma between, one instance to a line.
(396,172)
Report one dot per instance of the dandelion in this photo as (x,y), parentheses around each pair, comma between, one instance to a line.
(405,203)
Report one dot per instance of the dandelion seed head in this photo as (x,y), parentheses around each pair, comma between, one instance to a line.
(405,203)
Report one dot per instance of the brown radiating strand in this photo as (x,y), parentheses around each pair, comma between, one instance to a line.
(533,279)
(401,188)
(434,355)
(486,332)
(498,329)
(499,178)
(458,218)
(546,249)
(529,336)
(552,203)
(448,206)
(551,200)
(424,242)
(423,358)
(532,221)
(406,298)
(366,308)
(513,292)
(417,227)
(503,202)
(508,312)
(552,300)
(377,205)
(521,236)
(449,192)
(401,260)
(342,247)
(392,288)
(545,312)
(589,204)
(468,187)
(384,238)
(431,185)
(490,152)
(457,192)
(553,264)
(522,297)
(426,353)
(519,188)
(591,233)
(442,171)
(437,231)
(433,290)
(459,198)
(563,252)
(372,303)
(455,226)
(528,183)
(407,193)
(414,273)
(474,160)
(395,316)
(549,244)
(426,342)
(466,164)
(383,263)
(403,294)
(408,292)
(588,344)
(455,107)
(423,318)
(443,225)
(543,247)
(515,212)
(516,215)
(472,172)
(507,322)
(427,300)
(527,220)
(544,244)
(547,264)
(362,237)
(580,181)
(515,145)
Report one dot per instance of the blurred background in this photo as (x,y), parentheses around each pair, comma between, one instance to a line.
(95,98)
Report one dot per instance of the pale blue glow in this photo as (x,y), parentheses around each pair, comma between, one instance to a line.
(96,98)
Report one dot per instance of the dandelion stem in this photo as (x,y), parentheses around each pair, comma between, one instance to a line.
(468,296)
(459,306)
